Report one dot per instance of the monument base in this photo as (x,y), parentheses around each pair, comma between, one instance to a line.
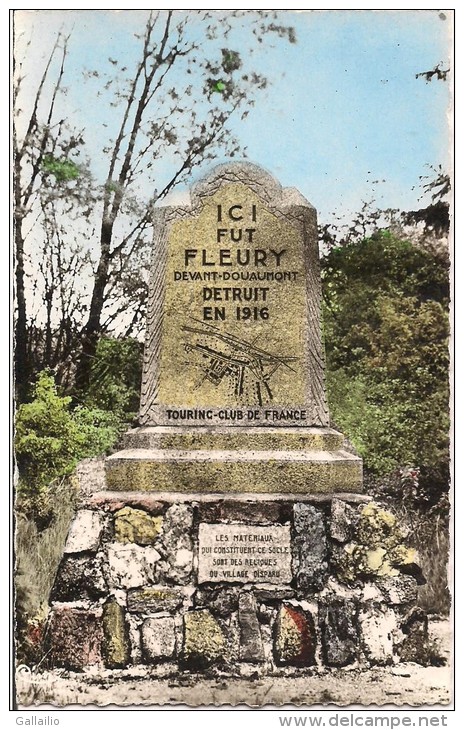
(234,460)
(193,582)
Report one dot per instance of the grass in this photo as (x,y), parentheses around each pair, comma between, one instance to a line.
(429,535)
(38,554)
(432,543)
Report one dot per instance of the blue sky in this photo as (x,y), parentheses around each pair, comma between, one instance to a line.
(343,108)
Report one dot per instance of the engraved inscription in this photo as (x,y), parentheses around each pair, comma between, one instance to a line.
(244,554)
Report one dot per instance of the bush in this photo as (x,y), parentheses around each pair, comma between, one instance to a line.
(115,377)
(38,551)
(50,439)
(99,429)
(386,331)
(391,427)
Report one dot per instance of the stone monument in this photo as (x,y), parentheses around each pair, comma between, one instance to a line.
(232,531)
(233,397)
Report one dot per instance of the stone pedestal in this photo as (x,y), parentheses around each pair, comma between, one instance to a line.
(234,460)
(196,581)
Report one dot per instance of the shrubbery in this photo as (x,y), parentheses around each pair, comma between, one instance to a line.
(386,335)
(115,377)
(51,438)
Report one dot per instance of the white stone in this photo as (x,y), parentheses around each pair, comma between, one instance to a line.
(131,565)
(334,589)
(178,518)
(371,593)
(120,595)
(134,638)
(159,638)
(85,532)
(377,631)
(341,520)
(244,554)
(310,606)
(183,559)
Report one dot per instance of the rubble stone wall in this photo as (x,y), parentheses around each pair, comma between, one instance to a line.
(127,591)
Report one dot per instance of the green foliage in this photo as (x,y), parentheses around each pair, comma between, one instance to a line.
(50,439)
(386,330)
(115,378)
(64,170)
(98,429)
(218,86)
(47,439)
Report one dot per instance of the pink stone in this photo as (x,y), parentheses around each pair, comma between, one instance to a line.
(74,638)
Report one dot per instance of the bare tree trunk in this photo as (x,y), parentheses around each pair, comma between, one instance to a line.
(21,368)
(92,328)
(23,192)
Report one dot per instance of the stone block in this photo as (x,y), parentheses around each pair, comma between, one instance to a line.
(371,592)
(251,644)
(241,553)
(338,620)
(295,637)
(177,545)
(178,520)
(135,525)
(116,648)
(182,438)
(220,601)
(310,551)
(376,550)
(135,639)
(79,578)
(204,640)
(131,566)
(74,638)
(154,599)
(273,592)
(227,472)
(110,502)
(252,513)
(413,645)
(399,590)
(287,365)
(85,532)
(377,626)
(343,517)
(158,638)
(176,567)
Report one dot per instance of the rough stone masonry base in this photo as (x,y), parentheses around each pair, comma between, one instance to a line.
(237,585)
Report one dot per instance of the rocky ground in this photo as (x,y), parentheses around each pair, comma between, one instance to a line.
(408,685)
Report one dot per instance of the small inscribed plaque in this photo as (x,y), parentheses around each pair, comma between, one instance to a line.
(244,554)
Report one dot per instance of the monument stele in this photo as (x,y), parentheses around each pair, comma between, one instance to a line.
(233,397)
(232,525)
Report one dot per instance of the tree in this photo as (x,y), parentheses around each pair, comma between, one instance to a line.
(175,103)
(159,111)
(386,332)
(50,183)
